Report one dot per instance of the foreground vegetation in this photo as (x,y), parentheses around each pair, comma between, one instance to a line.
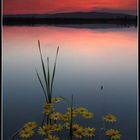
(58,125)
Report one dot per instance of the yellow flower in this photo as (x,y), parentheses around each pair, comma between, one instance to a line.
(46,129)
(26,133)
(56,100)
(75,127)
(50,137)
(57,127)
(79,133)
(74,114)
(41,131)
(48,105)
(67,125)
(113,134)
(56,116)
(110,118)
(82,110)
(30,125)
(48,108)
(87,115)
(90,132)
(47,111)
(65,117)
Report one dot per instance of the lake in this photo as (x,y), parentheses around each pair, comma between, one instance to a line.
(88,58)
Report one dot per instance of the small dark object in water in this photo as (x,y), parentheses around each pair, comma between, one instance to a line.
(101,87)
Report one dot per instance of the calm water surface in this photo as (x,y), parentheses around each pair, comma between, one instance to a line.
(88,58)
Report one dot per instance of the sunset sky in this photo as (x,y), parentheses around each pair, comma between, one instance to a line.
(58,6)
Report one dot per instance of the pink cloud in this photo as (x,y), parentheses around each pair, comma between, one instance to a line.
(53,6)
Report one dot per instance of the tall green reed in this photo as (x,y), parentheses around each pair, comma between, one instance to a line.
(47,86)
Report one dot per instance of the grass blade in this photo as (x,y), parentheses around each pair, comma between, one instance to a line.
(42,86)
(48,75)
(14,135)
(54,69)
(43,66)
(71,120)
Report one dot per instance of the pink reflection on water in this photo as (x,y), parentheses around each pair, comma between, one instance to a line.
(85,41)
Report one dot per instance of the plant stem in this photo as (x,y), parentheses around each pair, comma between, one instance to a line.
(43,120)
(71,120)
(14,135)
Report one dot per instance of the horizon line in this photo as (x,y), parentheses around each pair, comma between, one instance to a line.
(98,11)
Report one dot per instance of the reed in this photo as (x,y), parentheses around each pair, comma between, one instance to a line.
(47,86)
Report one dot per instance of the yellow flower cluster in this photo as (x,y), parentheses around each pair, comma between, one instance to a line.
(27,130)
(57,127)
(75,111)
(57,121)
(80,131)
(110,118)
(113,134)
(26,133)
(49,111)
(47,129)
(85,113)
(48,108)
(65,117)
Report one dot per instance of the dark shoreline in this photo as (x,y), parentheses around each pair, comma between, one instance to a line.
(67,21)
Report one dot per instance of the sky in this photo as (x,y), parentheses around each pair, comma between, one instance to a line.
(59,6)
